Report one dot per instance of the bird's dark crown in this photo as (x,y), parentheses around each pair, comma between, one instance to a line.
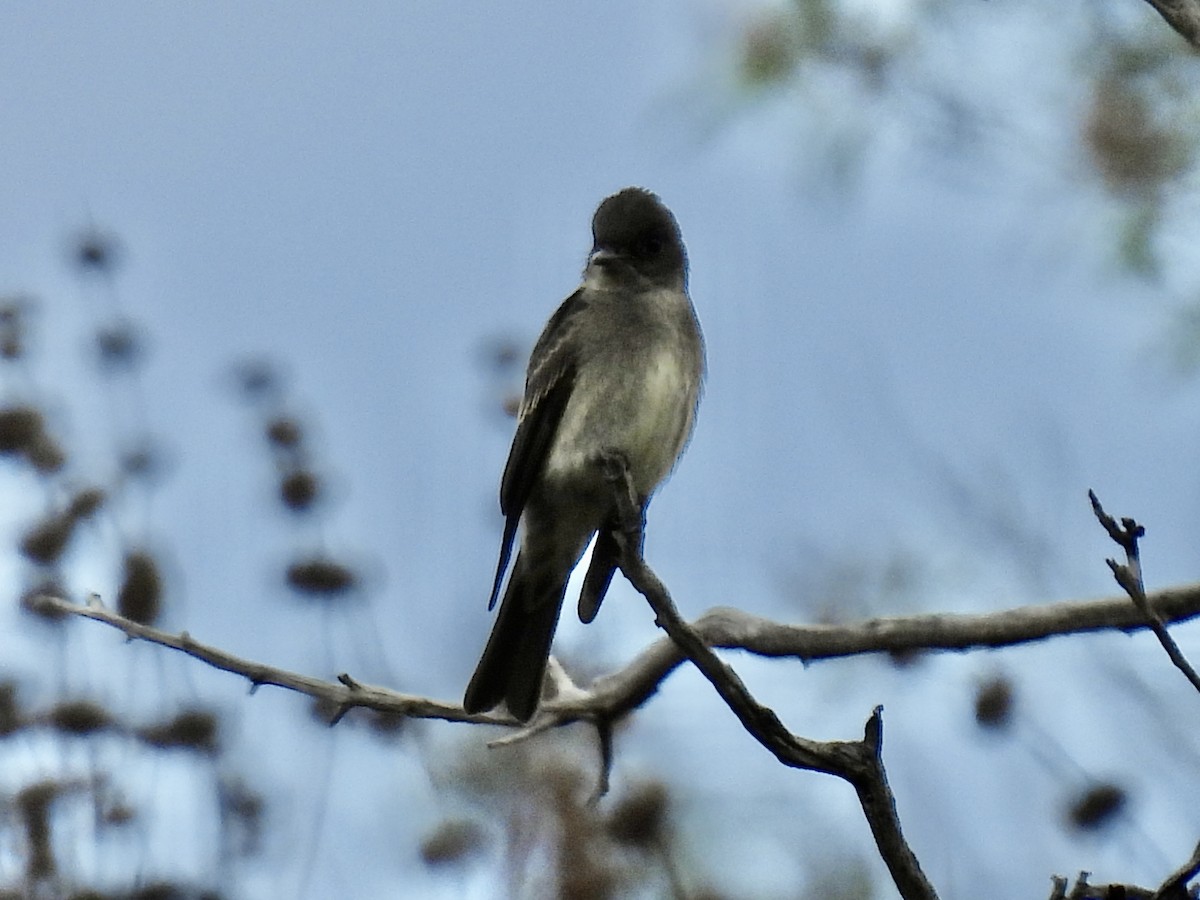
(634,225)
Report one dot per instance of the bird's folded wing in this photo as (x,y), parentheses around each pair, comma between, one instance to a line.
(548,388)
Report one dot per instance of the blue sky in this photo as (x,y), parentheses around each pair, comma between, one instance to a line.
(371,193)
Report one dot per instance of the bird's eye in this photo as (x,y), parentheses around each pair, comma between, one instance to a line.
(650,246)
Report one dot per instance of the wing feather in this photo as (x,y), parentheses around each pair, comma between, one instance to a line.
(548,387)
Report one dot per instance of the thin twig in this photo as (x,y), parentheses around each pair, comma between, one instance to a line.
(341,696)
(1175,887)
(1129,577)
(604,736)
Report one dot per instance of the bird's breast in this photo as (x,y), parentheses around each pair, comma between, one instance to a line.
(640,407)
(655,430)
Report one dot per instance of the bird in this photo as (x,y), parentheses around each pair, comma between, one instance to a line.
(616,372)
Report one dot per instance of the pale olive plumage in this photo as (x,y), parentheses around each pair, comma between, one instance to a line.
(617,369)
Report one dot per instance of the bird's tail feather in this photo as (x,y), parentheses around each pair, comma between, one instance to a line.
(599,575)
(514,661)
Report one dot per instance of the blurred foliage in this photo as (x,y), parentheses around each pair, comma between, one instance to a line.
(1115,91)
(1125,104)
(555,840)
(41,812)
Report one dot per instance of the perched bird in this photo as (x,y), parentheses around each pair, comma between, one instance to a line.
(616,371)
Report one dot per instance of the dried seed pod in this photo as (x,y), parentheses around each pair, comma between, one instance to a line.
(140,596)
(19,427)
(119,346)
(95,251)
(45,542)
(284,431)
(994,703)
(45,454)
(640,818)
(451,842)
(299,490)
(86,502)
(1097,806)
(79,717)
(317,575)
(192,729)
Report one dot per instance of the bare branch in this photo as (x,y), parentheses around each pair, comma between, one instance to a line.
(859,763)
(722,627)
(1183,16)
(344,696)
(725,627)
(614,695)
(1129,577)
(1084,891)
(879,806)
(1175,887)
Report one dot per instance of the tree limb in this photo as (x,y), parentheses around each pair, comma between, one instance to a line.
(859,763)
(720,627)
(344,695)
(614,695)
(1183,16)
(1175,887)
(728,628)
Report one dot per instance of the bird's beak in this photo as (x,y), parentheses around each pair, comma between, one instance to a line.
(602,257)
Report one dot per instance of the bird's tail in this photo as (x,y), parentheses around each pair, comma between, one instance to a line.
(514,660)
